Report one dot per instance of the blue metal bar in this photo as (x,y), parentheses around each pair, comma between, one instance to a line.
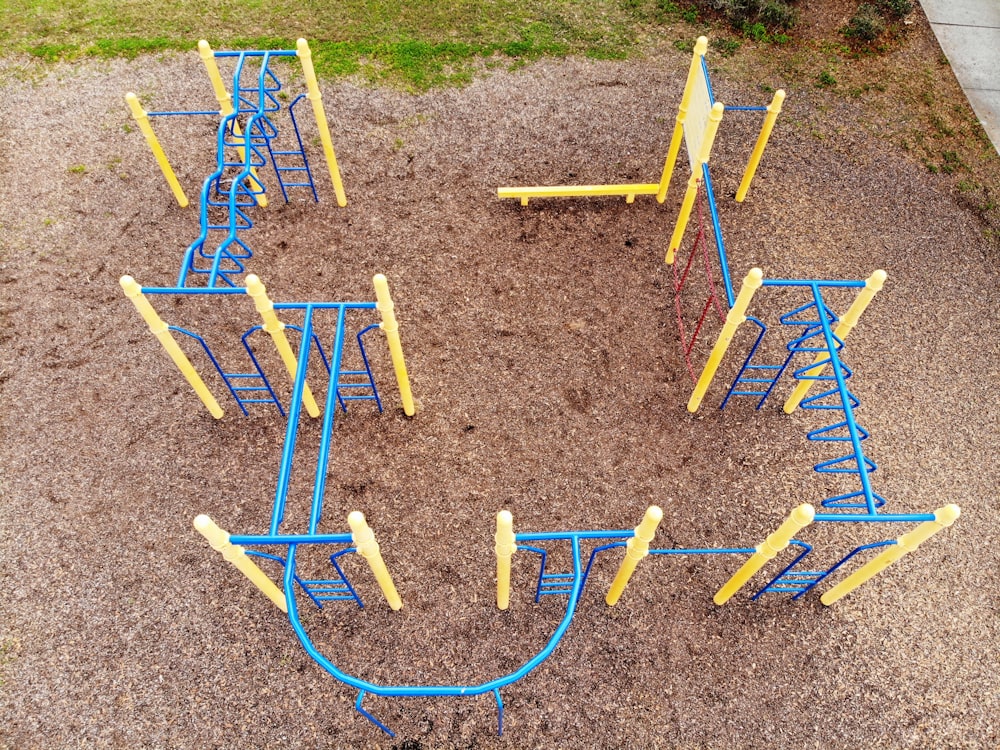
(324,305)
(873,517)
(708,81)
(319,486)
(813,283)
(192,290)
(806,549)
(291,429)
(289,539)
(372,719)
(843,560)
(541,536)
(214,113)
(255,53)
(720,244)
(708,551)
(340,572)
(496,694)
(757,108)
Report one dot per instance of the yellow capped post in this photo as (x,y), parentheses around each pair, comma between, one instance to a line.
(505,548)
(162,332)
(391,327)
(735,316)
(142,120)
(364,540)
(798,520)
(236,555)
(873,284)
(635,549)
(943,518)
(773,110)
(314,96)
(700,48)
(711,128)
(256,290)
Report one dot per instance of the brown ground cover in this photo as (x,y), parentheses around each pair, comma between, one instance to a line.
(543,350)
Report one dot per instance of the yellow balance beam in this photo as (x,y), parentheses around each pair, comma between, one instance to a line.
(390,326)
(573,191)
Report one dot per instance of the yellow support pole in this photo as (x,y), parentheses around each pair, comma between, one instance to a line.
(257,291)
(943,518)
(236,555)
(773,110)
(162,332)
(635,549)
(798,520)
(142,120)
(700,47)
(711,128)
(735,316)
(364,540)
(226,109)
(505,548)
(314,95)
(873,284)
(391,328)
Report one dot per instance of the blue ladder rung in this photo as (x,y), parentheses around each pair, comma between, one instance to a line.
(748,393)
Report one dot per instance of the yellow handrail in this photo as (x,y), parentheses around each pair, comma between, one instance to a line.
(773,110)
(314,96)
(505,548)
(635,549)
(391,327)
(142,120)
(364,540)
(236,555)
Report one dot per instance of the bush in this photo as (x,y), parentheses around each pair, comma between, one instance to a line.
(865,25)
(773,15)
(896,8)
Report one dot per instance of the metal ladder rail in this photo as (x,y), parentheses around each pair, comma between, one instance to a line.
(228,377)
(754,382)
(293,156)
(319,591)
(791,581)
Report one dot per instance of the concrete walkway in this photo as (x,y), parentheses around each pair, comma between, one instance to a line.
(969,34)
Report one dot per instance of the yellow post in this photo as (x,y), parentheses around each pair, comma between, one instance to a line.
(773,110)
(162,332)
(391,328)
(735,316)
(873,284)
(700,47)
(711,128)
(314,95)
(256,289)
(505,548)
(142,120)
(364,540)
(235,554)
(226,109)
(943,518)
(635,549)
(799,519)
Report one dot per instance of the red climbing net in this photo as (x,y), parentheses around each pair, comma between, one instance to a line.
(681,278)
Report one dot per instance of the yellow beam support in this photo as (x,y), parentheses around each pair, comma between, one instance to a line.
(711,128)
(391,327)
(700,47)
(635,549)
(142,120)
(505,548)
(873,284)
(162,332)
(773,110)
(735,316)
(799,519)
(236,555)
(943,518)
(258,292)
(226,109)
(364,540)
(572,191)
(314,96)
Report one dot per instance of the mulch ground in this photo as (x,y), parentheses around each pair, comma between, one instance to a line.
(542,345)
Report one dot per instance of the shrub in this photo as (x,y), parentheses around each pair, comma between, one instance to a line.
(896,8)
(865,25)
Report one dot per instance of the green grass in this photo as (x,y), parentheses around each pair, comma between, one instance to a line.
(418,44)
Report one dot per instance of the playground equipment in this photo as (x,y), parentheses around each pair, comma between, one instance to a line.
(247,142)
(247,131)
(696,124)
